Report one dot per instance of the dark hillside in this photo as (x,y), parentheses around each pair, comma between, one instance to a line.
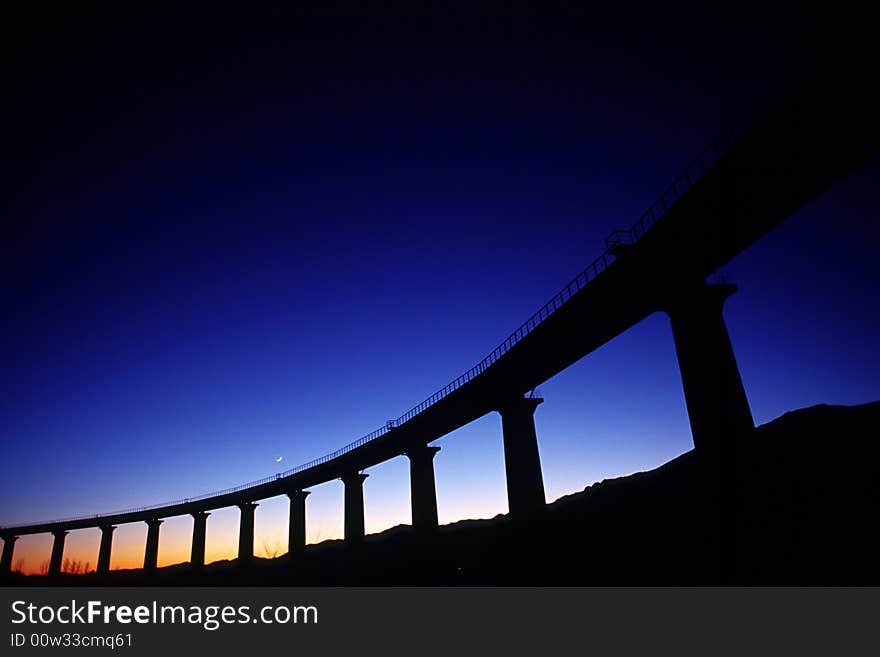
(807,504)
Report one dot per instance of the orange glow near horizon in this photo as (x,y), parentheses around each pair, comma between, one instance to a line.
(175,541)
(386,504)
(384,489)
(270,527)
(128,546)
(324,513)
(32,553)
(221,539)
(270,538)
(81,546)
(81,550)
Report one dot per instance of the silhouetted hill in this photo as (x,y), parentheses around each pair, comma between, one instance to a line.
(805,508)
(809,496)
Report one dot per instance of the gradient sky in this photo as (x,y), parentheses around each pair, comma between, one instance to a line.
(237,238)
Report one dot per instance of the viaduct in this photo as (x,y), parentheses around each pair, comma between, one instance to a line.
(766,164)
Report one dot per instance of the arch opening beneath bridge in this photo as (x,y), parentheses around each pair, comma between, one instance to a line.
(827,353)
(128,546)
(469,472)
(32,553)
(81,550)
(271,521)
(325,512)
(617,411)
(387,495)
(221,536)
(175,540)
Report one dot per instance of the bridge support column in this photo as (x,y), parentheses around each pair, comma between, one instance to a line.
(296,531)
(522,462)
(354,507)
(8,549)
(105,549)
(151,553)
(200,526)
(718,408)
(246,532)
(57,552)
(423,489)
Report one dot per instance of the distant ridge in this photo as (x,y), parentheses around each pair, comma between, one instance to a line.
(807,503)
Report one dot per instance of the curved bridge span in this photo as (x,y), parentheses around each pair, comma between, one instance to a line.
(763,167)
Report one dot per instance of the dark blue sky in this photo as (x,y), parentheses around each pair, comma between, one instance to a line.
(236,238)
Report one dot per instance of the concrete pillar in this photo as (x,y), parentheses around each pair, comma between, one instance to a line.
(354,507)
(151,553)
(57,552)
(246,531)
(197,554)
(522,462)
(8,549)
(106,547)
(718,408)
(423,490)
(296,531)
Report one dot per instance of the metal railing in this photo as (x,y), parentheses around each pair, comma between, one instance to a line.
(670,196)
(687,178)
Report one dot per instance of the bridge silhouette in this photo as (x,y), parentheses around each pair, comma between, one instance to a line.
(769,161)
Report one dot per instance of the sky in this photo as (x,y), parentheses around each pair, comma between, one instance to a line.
(235,238)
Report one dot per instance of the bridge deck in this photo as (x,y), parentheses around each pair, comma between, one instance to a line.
(821,129)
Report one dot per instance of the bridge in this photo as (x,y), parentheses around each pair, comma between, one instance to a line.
(768,162)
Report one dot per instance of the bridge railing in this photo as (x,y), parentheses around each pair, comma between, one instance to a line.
(687,178)
(682,183)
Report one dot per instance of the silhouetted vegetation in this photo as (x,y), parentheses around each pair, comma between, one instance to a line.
(806,505)
(271,550)
(75,566)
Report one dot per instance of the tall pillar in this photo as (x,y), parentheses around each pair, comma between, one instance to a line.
(246,532)
(8,549)
(151,553)
(354,507)
(296,531)
(718,408)
(522,462)
(57,551)
(197,555)
(423,490)
(106,547)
